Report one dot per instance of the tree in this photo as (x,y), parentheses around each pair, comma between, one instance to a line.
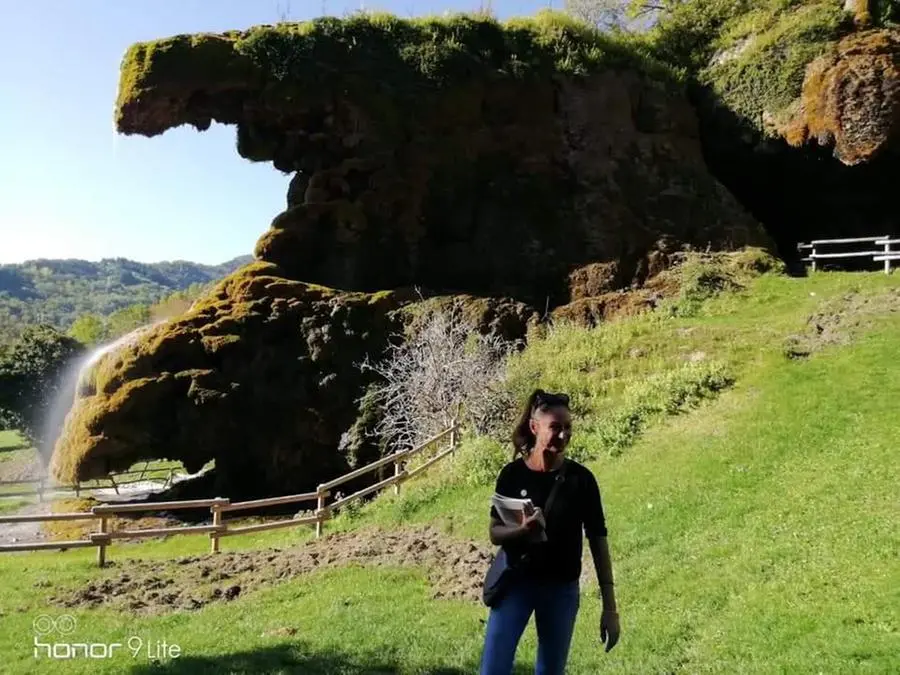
(89,329)
(618,14)
(177,303)
(127,319)
(447,366)
(32,378)
(605,14)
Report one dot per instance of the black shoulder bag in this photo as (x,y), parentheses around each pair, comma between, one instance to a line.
(501,572)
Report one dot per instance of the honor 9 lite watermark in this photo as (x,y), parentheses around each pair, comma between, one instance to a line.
(53,639)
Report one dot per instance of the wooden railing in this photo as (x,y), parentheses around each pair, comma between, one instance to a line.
(219,506)
(883,253)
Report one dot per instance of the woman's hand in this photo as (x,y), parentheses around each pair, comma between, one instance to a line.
(609,628)
(534,521)
(529,528)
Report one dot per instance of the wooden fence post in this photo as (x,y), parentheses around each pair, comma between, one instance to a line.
(887,254)
(217,522)
(397,471)
(320,510)
(813,257)
(101,549)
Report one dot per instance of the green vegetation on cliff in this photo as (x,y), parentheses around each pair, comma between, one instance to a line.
(751,53)
(372,56)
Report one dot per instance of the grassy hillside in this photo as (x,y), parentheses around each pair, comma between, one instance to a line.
(752,513)
(58,291)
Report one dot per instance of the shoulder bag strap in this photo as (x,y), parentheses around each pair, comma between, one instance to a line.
(557,484)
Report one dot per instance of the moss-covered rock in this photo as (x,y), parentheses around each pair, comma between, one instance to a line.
(459,154)
(796,105)
(506,318)
(851,98)
(276,80)
(804,70)
(260,375)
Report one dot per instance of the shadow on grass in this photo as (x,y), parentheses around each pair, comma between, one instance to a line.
(20,445)
(291,658)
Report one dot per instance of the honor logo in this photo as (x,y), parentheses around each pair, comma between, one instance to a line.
(45,647)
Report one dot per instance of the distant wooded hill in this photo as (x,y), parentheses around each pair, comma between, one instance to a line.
(57,292)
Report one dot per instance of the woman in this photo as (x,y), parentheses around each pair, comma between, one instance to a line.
(547,569)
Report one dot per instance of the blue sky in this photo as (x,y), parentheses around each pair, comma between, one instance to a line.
(71,188)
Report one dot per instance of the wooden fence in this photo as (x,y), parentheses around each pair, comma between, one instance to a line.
(219,506)
(883,253)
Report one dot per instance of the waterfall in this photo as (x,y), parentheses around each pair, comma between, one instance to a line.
(77,386)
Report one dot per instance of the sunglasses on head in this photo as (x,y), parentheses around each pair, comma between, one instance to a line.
(547,400)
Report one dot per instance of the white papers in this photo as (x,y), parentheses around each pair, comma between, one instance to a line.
(513,511)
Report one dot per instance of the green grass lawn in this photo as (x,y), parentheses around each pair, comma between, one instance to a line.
(753,533)
(13,504)
(13,446)
(15,453)
(10,441)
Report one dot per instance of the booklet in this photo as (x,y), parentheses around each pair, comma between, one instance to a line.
(512,511)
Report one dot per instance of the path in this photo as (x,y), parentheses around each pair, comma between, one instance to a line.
(17,533)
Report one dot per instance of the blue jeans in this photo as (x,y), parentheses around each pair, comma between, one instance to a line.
(555,606)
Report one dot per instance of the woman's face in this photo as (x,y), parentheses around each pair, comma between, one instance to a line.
(552,429)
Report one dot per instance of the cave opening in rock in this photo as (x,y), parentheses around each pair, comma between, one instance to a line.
(801,194)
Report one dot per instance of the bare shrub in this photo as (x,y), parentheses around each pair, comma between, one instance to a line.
(447,368)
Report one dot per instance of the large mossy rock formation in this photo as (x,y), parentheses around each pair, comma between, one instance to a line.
(458,154)
(851,98)
(799,104)
(262,376)
(506,168)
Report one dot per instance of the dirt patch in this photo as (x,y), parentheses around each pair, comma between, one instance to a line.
(839,321)
(455,569)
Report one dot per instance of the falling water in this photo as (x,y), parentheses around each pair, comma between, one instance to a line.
(76,387)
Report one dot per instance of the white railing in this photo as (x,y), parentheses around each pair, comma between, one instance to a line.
(218,506)
(883,253)
(46,485)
